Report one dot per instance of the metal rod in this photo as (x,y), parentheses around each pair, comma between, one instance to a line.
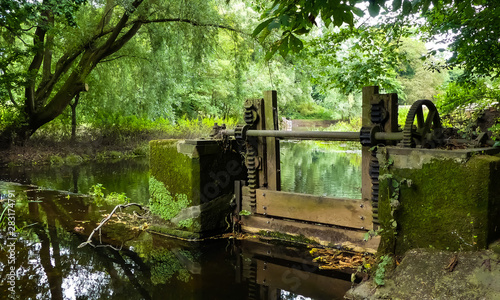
(323,135)
(319,135)
(389,136)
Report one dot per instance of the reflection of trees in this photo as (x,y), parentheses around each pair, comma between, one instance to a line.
(87,273)
(128,176)
(308,168)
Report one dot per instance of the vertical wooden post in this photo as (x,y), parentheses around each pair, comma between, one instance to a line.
(391,106)
(366,183)
(272,155)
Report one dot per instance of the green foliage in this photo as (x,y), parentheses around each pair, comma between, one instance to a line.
(56,160)
(481,93)
(187,223)
(385,262)
(417,80)
(162,202)
(245,213)
(476,33)
(463,103)
(97,192)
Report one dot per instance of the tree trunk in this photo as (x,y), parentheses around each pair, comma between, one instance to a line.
(73,117)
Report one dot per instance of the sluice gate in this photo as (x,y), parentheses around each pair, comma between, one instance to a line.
(248,186)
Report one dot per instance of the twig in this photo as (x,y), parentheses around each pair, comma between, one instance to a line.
(105,220)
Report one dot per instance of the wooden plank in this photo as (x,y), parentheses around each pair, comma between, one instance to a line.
(300,280)
(326,210)
(246,201)
(261,147)
(366,182)
(272,157)
(324,235)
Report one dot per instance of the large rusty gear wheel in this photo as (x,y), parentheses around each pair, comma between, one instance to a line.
(428,130)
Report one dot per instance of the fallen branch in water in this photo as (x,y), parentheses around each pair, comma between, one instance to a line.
(105,220)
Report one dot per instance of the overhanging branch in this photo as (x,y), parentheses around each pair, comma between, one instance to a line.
(188,21)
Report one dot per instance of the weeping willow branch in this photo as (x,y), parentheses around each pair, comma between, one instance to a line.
(105,220)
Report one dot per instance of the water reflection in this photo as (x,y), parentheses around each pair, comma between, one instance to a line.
(320,168)
(51,266)
(124,176)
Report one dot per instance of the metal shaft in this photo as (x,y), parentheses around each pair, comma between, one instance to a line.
(318,135)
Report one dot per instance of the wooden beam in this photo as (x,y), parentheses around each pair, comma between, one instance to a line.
(366,182)
(272,156)
(335,211)
(324,235)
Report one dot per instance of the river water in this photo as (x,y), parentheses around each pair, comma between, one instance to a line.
(53,216)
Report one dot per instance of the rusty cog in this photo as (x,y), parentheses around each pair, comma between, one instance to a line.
(428,130)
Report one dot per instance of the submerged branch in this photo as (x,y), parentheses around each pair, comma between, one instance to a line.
(105,220)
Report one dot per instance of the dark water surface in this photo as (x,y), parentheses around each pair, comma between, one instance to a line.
(53,216)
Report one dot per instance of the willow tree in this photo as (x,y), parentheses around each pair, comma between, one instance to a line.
(49,48)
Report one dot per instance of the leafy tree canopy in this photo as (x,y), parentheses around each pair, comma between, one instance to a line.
(50,47)
(471,26)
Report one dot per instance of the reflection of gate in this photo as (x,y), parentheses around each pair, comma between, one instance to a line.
(325,219)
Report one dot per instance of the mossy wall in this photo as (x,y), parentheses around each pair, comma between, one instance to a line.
(192,186)
(451,203)
(177,171)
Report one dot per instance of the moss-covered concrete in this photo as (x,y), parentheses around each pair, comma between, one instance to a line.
(191,186)
(175,170)
(450,203)
(423,274)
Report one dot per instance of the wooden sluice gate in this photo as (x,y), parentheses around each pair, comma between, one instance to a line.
(237,172)
(327,220)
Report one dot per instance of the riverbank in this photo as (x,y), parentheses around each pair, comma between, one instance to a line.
(65,152)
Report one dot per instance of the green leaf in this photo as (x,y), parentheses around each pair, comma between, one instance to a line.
(406,7)
(284,46)
(295,44)
(425,6)
(373,9)
(272,51)
(396,4)
(244,213)
(301,31)
(261,27)
(358,12)
(274,24)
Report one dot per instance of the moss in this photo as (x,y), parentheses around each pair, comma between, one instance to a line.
(162,202)
(449,206)
(174,169)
